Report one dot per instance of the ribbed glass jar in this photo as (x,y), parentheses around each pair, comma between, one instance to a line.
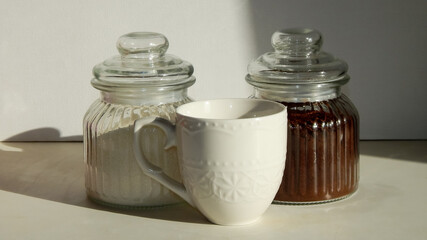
(322,161)
(142,82)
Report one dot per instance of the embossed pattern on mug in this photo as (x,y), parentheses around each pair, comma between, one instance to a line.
(232,186)
(231,180)
(194,126)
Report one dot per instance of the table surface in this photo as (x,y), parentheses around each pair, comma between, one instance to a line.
(42,196)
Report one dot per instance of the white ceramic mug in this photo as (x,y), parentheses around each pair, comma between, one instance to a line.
(231,155)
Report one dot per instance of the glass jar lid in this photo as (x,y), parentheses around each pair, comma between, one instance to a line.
(142,63)
(297,60)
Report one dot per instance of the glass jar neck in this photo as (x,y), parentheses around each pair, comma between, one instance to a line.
(298,93)
(156,96)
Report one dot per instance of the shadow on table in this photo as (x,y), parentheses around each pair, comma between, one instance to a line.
(415,151)
(60,178)
(181,212)
(47,134)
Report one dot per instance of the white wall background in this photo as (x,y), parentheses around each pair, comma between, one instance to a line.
(48,49)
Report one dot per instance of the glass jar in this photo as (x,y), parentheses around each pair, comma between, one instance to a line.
(143,81)
(322,161)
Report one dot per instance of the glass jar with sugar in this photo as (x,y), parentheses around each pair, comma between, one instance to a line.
(143,81)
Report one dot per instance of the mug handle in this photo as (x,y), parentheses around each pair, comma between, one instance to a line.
(150,169)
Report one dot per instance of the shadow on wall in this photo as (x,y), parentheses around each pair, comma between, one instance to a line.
(378,39)
(43,134)
(270,16)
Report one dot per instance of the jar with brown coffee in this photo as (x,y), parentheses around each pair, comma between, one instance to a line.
(322,161)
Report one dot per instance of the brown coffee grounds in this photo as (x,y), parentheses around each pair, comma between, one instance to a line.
(322,161)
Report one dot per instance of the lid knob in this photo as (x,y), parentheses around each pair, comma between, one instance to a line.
(147,45)
(297,41)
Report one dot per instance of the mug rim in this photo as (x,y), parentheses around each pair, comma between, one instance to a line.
(279,109)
